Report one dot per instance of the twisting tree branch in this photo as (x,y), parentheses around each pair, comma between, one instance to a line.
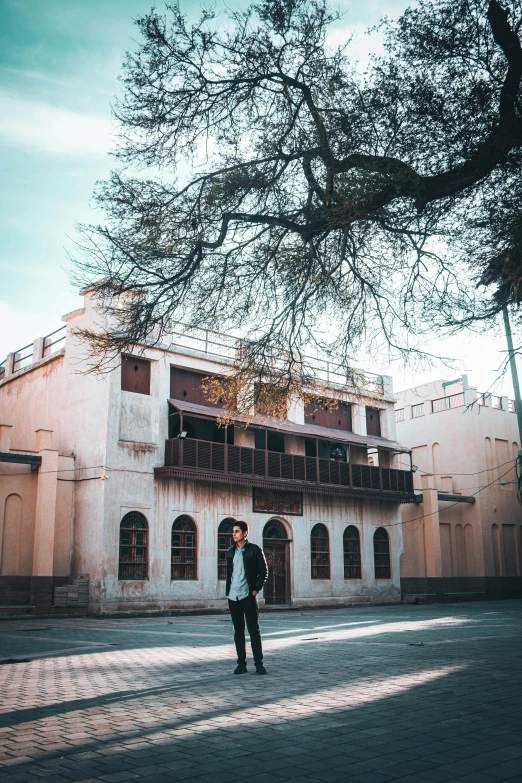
(310,200)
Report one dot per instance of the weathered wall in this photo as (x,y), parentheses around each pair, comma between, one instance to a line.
(465,448)
(117,439)
(163,501)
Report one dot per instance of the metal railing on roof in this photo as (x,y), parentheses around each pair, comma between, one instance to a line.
(446,403)
(23,357)
(26,356)
(226,346)
(496,402)
(54,341)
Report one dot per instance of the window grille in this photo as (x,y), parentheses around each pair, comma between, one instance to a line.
(352,553)
(133,547)
(184,549)
(417,410)
(320,552)
(512,406)
(225,541)
(399,414)
(381,554)
(274,529)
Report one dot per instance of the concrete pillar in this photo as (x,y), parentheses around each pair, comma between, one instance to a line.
(446,484)
(45,518)
(44,440)
(5,437)
(359,419)
(388,423)
(432,550)
(470,395)
(505,403)
(296,410)
(387,384)
(38,349)
(9,362)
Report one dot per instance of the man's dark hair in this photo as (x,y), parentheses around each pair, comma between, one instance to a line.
(242,525)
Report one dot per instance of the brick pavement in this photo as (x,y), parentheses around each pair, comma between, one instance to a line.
(369,695)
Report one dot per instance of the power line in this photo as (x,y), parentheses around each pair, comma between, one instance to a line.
(476,473)
(457,503)
(151,472)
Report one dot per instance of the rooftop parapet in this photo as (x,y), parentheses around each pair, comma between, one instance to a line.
(30,354)
(217,346)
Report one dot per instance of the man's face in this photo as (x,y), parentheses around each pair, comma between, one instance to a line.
(238,535)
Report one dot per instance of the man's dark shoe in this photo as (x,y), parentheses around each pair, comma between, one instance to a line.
(260,669)
(240,668)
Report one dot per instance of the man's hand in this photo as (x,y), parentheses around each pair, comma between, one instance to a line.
(254,593)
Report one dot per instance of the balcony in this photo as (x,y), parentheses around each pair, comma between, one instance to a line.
(223,463)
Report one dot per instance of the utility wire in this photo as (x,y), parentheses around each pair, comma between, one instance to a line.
(457,503)
(151,472)
(449,473)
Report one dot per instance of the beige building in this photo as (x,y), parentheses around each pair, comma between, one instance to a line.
(463,536)
(126,480)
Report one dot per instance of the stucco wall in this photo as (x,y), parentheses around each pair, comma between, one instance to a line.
(163,501)
(462,447)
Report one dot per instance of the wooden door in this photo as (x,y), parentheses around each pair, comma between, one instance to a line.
(275,587)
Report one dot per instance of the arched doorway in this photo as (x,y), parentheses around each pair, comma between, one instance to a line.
(275,545)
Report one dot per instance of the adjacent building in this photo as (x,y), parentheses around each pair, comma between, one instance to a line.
(127,480)
(463,536)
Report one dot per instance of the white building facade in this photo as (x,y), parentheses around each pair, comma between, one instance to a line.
(157,484)
(463,538)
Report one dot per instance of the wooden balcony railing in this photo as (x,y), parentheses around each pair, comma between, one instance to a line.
(226,459)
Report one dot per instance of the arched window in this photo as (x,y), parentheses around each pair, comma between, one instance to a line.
(320,552)
(274,529)
(381,554)
(184,549)
(134,549)
(225,541)
(352,553)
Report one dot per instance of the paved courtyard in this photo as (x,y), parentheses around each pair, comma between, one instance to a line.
(375,694)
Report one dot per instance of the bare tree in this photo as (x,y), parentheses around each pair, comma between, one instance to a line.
(294,194)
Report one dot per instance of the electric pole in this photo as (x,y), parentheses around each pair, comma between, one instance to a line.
(516,387)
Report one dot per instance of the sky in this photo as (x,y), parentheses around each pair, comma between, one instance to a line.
(59,66)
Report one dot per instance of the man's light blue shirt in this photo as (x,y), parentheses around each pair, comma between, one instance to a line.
(239,588)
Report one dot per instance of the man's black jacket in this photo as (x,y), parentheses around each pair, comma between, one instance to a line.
(256,569)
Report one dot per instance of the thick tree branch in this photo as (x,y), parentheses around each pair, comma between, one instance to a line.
(509,42)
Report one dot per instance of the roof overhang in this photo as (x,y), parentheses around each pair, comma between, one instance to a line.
(290,427)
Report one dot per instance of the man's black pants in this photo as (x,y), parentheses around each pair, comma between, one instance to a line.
(246,609)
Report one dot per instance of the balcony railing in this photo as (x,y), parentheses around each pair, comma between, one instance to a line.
(225,459)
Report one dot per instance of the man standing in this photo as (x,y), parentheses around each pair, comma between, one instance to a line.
(246,574)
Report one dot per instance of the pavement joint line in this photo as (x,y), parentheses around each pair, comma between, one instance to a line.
(46,639)
(159,707)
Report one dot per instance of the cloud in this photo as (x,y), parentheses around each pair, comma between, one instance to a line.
(53,129)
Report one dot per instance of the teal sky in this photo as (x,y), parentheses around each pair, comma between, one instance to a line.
(59,66)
